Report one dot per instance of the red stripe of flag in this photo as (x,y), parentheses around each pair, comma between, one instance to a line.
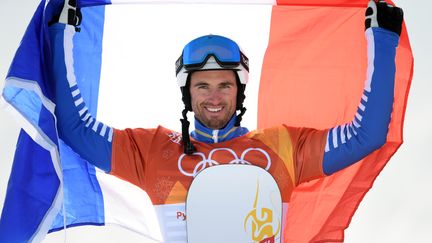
(313,76)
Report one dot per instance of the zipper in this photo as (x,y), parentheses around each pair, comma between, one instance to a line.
(215,136)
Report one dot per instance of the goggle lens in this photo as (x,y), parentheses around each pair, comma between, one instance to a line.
(223,49)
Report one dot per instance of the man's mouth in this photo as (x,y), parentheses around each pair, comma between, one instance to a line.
(214,109)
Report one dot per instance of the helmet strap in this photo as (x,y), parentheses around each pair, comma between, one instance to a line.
(240,99)
(189,148)
(239,116)
(186,97)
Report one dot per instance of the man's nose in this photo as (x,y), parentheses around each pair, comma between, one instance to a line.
(215,94)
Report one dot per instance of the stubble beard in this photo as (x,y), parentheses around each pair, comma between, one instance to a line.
(215,124)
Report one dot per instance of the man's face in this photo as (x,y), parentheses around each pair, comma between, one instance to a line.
(213,96)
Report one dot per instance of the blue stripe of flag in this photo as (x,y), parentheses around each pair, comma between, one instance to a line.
(34,184)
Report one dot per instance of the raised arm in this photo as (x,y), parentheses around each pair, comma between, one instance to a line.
(349,143)
(91,139)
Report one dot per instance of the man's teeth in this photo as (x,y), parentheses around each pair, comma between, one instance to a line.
(214,109)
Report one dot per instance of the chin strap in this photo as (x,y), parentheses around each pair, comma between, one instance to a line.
(239,116)
(189,149)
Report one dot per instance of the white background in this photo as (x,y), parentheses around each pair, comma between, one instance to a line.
(396,209)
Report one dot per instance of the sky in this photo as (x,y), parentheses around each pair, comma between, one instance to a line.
(396,209)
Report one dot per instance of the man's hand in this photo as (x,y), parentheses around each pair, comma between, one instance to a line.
(381,14)
(70,14)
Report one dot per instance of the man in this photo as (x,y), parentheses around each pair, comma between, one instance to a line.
(212,73)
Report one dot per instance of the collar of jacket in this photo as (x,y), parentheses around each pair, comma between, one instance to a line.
(208,135)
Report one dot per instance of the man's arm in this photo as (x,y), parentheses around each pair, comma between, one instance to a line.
(91,139)
(349,143)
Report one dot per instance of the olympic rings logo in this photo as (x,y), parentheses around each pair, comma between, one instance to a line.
(208,162)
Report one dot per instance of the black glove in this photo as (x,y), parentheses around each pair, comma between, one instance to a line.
(70,14)
(381,14)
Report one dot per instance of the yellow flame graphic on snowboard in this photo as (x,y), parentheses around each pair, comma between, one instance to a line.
(262,227)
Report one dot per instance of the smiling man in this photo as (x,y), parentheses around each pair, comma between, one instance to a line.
(212,73)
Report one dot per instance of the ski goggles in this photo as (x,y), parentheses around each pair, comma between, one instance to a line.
(225,51)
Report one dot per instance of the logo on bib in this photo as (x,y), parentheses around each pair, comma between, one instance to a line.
(175,137)
(198,161)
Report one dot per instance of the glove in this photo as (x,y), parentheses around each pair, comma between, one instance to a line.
(70,14)
(381,14)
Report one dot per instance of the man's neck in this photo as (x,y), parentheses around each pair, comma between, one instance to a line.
(208,135)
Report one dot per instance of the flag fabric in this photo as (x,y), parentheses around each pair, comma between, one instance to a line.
(44,194)
(34,188)
(320,80)
(73,193)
